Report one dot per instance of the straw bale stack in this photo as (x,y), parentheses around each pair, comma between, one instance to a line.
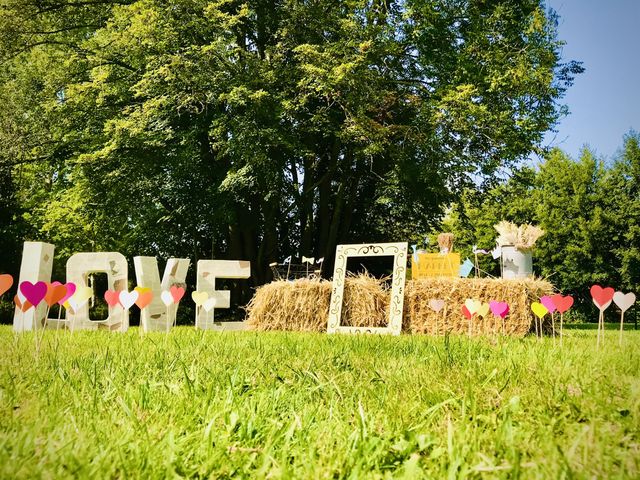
(518,293)
(303,305)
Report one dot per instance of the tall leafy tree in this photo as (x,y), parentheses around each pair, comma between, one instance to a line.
(259,129)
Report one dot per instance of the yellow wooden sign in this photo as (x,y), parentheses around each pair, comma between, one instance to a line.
(435,265)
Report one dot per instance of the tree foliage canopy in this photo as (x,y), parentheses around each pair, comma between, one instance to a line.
(260,129)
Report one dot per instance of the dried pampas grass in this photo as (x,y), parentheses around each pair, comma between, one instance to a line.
(523,237)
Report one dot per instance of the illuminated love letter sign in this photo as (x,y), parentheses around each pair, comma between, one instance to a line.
(343,252)
(208,272)
(154,316)
(79,266)
(37,262)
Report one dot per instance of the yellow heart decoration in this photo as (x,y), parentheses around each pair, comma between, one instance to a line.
(539,309)
(199,297)
(472,305)
(82,294)
(142,290)
(483,310)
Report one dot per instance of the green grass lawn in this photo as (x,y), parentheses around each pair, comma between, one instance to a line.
(294,405)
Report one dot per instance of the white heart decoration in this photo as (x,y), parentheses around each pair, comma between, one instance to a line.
(436,304)
(166,298)
(127,299)
(77,305)
(209,304)
(624,300)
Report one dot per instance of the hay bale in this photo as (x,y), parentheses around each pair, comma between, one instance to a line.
(303,305)
(282,305)
(518,293)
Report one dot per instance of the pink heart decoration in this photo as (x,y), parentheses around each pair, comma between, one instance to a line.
(561,303)
(177,293)
(466,312)
(34,293)
(71,289)
(602,296)
(624,300)
(499,309)
(548,302)
(111,297)
(436,304)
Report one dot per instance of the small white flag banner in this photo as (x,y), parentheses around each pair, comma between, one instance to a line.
(479,251)
(496,252)
(308,259)
(287,260)
(320,260)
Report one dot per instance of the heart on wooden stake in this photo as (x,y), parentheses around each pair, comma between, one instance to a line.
(436,304)
(548,303)
(80,297)
(472,305)
(142,290)
(166,298)
(561,303)
(54,293)
(209,304)
(127,299)
(199,297)
(602,296)
(112,297)
(539,309)
(33,292)
(177,293)
(6,281)
(499,309)
(466,312)
(483,310)
(22,305)
(624,300)
(144,298)
(71,289)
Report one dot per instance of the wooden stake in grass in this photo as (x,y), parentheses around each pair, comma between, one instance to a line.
(547,301)
(167,299)
(602,298)
(145,295)
(127,299)
(624,301)
(499,310)
(198,298)
(539,310)
(562,304)
(436,305)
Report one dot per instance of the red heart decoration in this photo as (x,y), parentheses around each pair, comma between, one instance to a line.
(562,303)
(144,299)
(22,306)
(111,297)
(54,293)
(71,289)
(602,296)
(466,312)
(33,292)
(177,293)
(6,281)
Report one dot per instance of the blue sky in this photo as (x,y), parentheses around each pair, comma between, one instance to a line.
(604,101)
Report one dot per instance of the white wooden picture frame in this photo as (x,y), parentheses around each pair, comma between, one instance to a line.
(343,253)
